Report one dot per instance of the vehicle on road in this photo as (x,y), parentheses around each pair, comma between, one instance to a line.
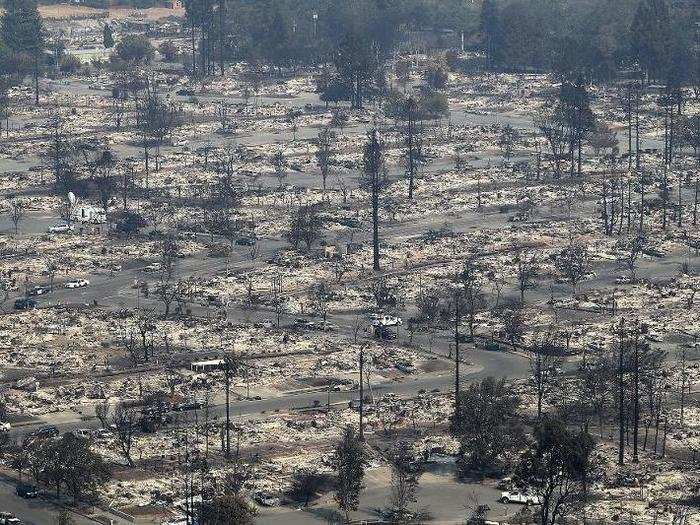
(5,427)
(387,320)
(304,323)
(7,518)
(61,228)
(266,500)
(102,433)
(187,405)
(77,283)
(520,498)
(27,491)
(47,432)
(25,304)
(85,433)
(246,241)
(151,268)
(38,290)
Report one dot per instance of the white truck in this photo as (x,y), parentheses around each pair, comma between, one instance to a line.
(385,320)
(519,497)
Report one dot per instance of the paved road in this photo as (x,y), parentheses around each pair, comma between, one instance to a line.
(446,501)
(33,512)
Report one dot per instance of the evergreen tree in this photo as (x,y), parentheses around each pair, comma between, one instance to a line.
(22,32)
(349,462)
(650,36)
(107,37)
(489,26)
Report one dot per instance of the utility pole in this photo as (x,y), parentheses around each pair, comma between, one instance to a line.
(362,393)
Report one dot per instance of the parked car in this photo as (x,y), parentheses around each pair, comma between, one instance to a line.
(46,432)
(187,405)
(77,283)
(38,290)
(25,304)
(519,497)
(27,491)
(61,228)
(102,433)
(5,427)
(7,518)
(266,500)
(246,241)
(83,433)
(387,320)
(304,323)
(155,267)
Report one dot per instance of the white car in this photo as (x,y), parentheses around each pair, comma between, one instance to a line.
(77,283)
(61,228)
(519,497)
(387,320)
(5,427)
(7,518)
(266,500)
(85,433)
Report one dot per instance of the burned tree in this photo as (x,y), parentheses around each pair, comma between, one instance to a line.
(487,426)
(17,212)
(573,262)
(527,271)
(470,279)
(349,461)
(413,142)
(405,471)
(324,155)
(279,164)
(306,227)
(507,140)
(373,164)
(629,249)
(557,467)
(544,365)
(124,422)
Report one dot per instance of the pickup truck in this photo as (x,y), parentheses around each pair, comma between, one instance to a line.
(61,228)
(519,497)
(385,320)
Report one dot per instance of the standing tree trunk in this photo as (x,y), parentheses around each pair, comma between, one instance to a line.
(621,400)
(36,79)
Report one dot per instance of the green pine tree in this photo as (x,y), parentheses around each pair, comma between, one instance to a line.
(107,37)
(22,31)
